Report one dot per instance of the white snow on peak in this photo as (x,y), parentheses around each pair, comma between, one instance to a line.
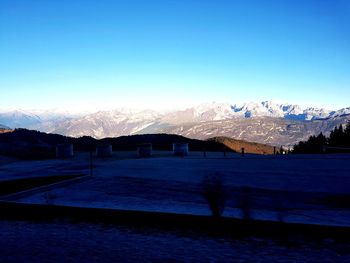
(213,111)
(344,111)
(51,120)
(271,109)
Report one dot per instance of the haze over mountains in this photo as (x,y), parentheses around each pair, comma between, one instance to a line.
(265,122)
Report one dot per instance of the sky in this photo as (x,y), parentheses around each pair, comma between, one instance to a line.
(84,55)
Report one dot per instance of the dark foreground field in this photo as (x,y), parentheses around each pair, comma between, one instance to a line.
(309,190)
(23,241)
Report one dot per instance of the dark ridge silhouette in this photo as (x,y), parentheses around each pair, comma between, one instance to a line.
(161,142)
(30,144)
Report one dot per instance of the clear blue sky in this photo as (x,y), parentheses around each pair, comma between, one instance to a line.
(83,54)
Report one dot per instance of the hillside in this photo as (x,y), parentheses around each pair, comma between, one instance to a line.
(29,144)
(249,147)
(265,130)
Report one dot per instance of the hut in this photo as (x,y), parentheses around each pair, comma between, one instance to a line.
(64,150)
(180,148)
(144,149)
(104,150)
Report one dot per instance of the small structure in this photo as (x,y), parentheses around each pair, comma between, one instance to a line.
(144,149)
(64,150)
(104,150)
(180,148)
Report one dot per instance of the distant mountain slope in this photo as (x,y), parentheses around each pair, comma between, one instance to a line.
(33,119)
(264,122)
(118,123)
(4,129)
(266,130)
(19,119)
(106,124)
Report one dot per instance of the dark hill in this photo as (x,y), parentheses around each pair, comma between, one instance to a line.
(29,144)
(161,142)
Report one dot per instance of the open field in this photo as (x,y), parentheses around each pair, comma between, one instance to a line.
(295,188)
(311,189)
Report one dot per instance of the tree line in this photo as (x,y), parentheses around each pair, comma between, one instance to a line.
(337,142)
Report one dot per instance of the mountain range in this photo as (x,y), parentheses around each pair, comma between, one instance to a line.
(264,122)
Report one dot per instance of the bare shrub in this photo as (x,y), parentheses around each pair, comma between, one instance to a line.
(214,193)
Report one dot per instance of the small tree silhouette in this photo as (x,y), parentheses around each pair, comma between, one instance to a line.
(214,193)
(245,203)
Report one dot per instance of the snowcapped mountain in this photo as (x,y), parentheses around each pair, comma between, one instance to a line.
(223,111)
(341,112)
(287,111)
(19,119)
(265,122)
(266,130)
(34,119)
(255,109)
(107,123)
(213,111)
(53,115)
(204,112)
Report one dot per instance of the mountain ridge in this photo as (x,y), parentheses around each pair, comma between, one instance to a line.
(262,122)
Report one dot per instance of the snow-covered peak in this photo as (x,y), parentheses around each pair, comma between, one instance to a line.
(213,111)
(256,109)
(271,109)
(344,111)
(124,115)
(18,119)
(315,113)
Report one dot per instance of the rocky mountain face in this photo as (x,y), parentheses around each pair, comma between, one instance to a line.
(19,119)
(265,122)
(33,119)
(106,124)
(266,130)
(287,111)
